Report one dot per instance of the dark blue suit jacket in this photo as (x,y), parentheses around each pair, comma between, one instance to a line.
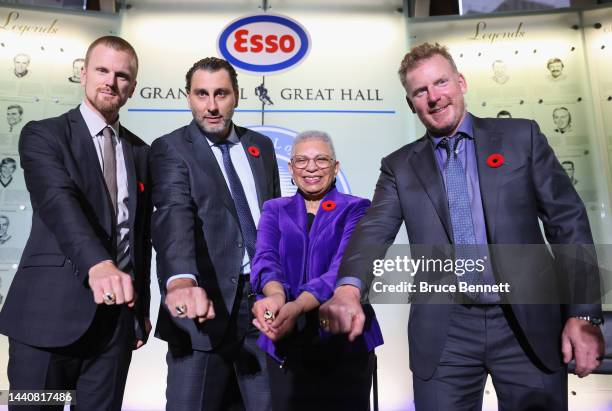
(50,303)
(530,185)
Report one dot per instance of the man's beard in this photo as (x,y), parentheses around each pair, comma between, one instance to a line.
(105,106)
(216,131)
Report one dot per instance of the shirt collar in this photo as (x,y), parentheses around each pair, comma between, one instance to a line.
(231,139)
(466,127)
(94,122)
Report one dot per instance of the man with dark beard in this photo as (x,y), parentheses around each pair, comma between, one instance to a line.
(79,302)
(210,180)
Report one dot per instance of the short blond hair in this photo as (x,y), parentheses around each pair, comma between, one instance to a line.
(115,43)
(419,53)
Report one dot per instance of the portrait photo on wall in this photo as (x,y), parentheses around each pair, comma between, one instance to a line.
(8,165)
(77,66)
(500,72)
(14,227)
(21,65)
(5,223)
(578,165)
(497,84)
(555,68)
(564,123)
(23,76)
(13,191)
(570,169)
(562,118)
(16,112)
(14,118)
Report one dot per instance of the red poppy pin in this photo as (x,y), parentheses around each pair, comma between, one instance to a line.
(254,151)
(495,160)
(328,205)
(141,186)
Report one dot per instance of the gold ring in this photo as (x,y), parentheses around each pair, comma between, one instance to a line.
(181,309)
(110,298)
(268,315)
(323,323)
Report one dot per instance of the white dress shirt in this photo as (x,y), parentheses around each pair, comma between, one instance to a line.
(243,169)
(96,124)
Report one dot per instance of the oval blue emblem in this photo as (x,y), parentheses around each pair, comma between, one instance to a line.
(264,43)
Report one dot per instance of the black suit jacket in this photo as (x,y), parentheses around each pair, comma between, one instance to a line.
(195,226)
(49,303)
(530,185)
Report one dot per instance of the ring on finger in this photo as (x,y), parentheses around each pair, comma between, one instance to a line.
(181,309)
(323,323)
(109,298)
(268,315)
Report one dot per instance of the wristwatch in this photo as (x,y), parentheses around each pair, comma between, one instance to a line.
(598,321)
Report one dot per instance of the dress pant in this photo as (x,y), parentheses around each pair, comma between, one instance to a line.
(202,380)
(481,341)
(96,365)
(318,374)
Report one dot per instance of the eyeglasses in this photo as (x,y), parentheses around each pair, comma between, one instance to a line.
(321,162)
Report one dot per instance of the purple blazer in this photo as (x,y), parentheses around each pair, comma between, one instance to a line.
(286,252)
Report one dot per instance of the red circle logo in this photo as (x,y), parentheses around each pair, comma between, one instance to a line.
(495,160)
(254,151)
(141,186)
(328,205)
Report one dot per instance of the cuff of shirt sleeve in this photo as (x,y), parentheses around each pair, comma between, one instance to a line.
(354,281)
(177,276)
(578,310)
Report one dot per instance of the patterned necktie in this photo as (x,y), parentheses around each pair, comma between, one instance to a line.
(245,218)
(109,166)
(460,210)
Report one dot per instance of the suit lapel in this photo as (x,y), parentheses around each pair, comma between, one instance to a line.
(84,151)
(208,163)
(426,168)
(255,162)
(295,214)
(324,217)
(296,211)
(83,147)
(130,168)
(488,141)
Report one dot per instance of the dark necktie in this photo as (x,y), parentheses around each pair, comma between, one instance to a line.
(109,165)
(245,218)
(460,210)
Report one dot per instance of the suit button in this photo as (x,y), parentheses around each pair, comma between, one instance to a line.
(234,280)
(239,244)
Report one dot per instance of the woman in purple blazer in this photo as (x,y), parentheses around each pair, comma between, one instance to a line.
(300,243)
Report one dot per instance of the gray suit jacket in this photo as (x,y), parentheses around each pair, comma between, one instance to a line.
(195,227)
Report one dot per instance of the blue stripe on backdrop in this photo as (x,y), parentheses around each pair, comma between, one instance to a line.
(181,110)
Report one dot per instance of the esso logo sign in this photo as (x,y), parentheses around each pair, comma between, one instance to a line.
(264,43)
